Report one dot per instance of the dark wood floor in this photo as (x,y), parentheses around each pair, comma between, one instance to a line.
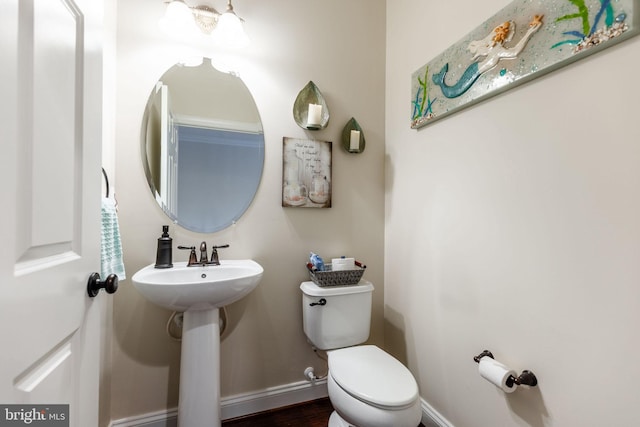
(310,414)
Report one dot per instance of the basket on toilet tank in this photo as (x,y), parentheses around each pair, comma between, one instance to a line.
(328,277)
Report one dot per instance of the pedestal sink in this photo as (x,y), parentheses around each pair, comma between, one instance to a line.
(199,292)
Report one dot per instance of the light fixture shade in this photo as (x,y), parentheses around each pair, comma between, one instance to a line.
(229,31)
(177,19)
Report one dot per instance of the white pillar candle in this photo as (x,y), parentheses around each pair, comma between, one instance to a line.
(314,116)
(354,143)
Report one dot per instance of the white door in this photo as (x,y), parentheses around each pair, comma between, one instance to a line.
(50,184)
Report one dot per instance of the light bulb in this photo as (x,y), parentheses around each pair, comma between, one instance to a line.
(229,31)
(177,19)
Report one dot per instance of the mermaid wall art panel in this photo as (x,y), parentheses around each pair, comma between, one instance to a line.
(525,40)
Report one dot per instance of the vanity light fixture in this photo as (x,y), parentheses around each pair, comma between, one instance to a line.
(183,20)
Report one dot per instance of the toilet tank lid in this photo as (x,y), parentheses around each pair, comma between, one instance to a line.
(372,375)
(311,289)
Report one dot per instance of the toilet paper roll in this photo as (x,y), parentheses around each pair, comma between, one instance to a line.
(497,374)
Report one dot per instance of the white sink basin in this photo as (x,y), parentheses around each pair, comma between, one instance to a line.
(183,288)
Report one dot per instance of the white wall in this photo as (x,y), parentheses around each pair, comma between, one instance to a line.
(340,46)
(513,226)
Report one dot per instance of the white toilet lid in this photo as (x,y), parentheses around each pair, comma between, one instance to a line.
(371,375)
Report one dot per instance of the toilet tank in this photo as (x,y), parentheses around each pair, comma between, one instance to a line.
(343,319)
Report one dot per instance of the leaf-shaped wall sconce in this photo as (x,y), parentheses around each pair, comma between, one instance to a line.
(352,137)
(310,110)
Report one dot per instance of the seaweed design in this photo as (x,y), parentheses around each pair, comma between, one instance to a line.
(606,10)
(422,96)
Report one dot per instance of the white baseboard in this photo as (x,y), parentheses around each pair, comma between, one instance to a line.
(272,398)
(431,417)
(168,418)
(238,405)
(260,401)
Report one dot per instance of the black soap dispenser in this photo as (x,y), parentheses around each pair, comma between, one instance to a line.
(164,257)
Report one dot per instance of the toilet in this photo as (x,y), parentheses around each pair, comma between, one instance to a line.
(367,386)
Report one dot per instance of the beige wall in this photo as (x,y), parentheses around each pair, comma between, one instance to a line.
(340,46)
(513,226)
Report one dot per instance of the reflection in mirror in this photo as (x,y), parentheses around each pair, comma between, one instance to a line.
(202,146)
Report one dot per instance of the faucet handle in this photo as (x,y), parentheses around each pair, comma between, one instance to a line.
(193,259)
(214,254)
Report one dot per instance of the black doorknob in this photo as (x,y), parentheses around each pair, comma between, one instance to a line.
(94,284)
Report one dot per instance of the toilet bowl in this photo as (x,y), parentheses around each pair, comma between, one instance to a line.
(367,386)
(370,388)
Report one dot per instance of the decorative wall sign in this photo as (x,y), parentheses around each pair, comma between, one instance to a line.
(306,173)
(525,40)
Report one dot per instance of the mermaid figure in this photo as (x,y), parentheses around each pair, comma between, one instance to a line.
(492,49)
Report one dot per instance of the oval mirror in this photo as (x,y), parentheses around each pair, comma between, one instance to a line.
(202,146)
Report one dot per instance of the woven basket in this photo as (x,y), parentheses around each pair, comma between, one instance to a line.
(336,278)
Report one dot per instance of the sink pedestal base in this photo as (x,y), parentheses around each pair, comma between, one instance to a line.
(199,400)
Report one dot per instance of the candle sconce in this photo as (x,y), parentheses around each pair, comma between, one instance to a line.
(352,137)
(310,110)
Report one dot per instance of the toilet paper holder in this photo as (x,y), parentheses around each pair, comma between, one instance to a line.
(525,378)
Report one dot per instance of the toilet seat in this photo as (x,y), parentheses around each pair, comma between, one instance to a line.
(373,376)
